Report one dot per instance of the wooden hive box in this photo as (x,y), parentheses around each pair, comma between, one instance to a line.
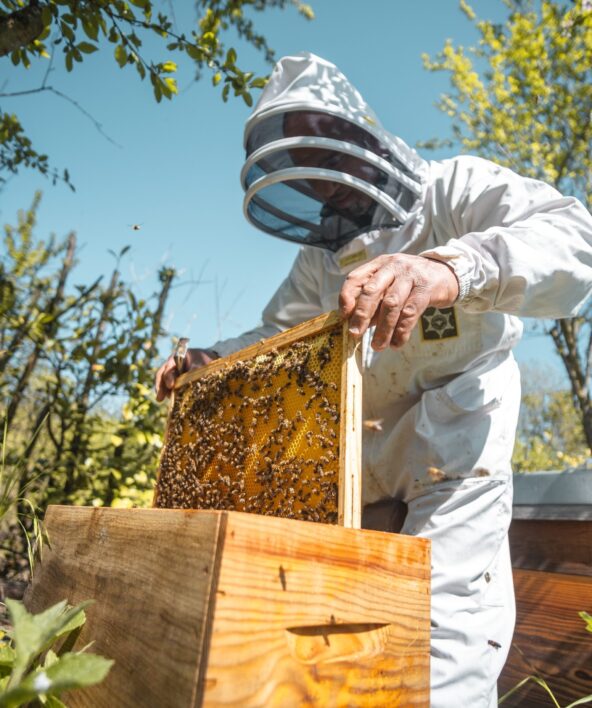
(274,429)
(214,608)
(551,548)
(203,605)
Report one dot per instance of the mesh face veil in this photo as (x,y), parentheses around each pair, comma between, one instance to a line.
(319,174)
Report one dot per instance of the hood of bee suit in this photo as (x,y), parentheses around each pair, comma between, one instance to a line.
(320,167)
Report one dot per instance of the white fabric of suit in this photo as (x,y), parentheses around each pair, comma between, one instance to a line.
(449,399)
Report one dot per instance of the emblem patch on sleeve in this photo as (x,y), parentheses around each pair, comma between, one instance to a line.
(438,323)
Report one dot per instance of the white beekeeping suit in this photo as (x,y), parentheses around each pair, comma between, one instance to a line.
(449,398)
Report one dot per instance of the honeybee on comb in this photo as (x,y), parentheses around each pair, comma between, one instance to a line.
(259,434)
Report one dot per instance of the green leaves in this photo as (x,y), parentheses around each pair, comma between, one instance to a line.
(550,434)
(241,83)
(528,108)
(87,47)
(7,657)
(587,619)
(69,672)
(121,55)
(97,342)
(33,634)
(523,98)
(171,85)
(79,27)
(90,25)
(163,86)
(259,82)
(305,10)
(230,58)
(17,151)
(23,677)
(67,31)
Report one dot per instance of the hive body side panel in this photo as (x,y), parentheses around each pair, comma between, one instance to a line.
(152,596)
(318,615)
(551,545)
(550,639)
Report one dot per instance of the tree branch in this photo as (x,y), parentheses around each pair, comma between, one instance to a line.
(57,92)
(20,28)
(588,362)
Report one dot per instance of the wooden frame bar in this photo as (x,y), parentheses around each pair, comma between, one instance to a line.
(310,327)
(350,451)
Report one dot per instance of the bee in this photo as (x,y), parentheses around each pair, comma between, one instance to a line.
(436,474)
(375,425)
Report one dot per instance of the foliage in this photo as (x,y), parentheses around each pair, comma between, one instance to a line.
(530,110)
(16,150)
(76,364)
(550,434)
(13,501)
(76,29)
(29,667)
(587,619)
(544,685)
(32,667)
(523,98)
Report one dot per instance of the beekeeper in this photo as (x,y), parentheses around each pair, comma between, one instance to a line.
(431,262)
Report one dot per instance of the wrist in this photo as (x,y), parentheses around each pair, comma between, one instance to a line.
(447,291)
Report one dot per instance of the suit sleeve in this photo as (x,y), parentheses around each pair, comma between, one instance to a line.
(518,246)
(295,301)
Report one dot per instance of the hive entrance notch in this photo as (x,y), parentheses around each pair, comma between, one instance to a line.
(273,429)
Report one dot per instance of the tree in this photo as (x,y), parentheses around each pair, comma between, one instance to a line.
(42,29)
(523,98)
(77,362)
(550,435)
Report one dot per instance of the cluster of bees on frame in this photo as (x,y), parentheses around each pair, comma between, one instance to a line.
(261,435)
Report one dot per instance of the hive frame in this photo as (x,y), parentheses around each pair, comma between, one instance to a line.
(350,426)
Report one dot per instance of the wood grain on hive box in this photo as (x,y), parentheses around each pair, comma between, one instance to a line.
(551,548)
(225,608)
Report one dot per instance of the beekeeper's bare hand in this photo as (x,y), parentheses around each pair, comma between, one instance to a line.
(392,292)
(167,374)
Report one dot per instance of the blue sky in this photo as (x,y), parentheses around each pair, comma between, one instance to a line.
(174,167)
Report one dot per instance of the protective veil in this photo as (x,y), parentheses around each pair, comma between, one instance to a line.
(449,398)
(320,168)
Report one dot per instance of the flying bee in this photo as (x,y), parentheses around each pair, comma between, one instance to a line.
(375,425)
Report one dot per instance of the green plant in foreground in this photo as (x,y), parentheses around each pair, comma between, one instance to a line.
(10,500)
(543,684)
(587,619)
(32,668)
(15,505)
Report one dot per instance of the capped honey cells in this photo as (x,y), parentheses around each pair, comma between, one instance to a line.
(259,435)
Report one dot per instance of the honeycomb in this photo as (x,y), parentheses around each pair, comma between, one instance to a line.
(260,434)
